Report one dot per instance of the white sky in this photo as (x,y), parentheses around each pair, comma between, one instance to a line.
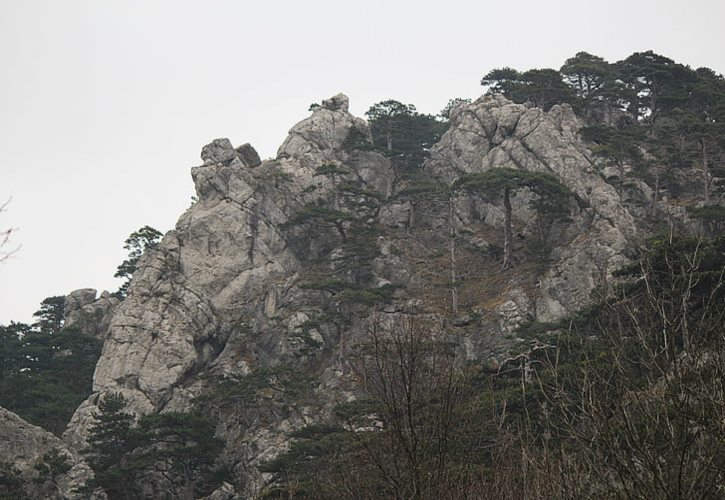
(105,105)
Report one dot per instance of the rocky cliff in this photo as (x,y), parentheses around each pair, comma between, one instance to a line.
(24,446)
(280,266)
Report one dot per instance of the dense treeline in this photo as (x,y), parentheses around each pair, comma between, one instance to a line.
(646,111)
(46,370)
(177,449)
(623,400)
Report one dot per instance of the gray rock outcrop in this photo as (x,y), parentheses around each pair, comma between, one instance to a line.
(321,137)
(226,264)
(23,445)
(239,289)
(494,132)
(89,315)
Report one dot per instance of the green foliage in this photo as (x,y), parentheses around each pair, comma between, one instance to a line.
(552,197)
(258,385)
(110,441)
(591,77)
(644,103)
(53,465)
(46,371)
(356,141)
(710,213)
(182,448)
(319,216)
(402,133)
(179,447)
(619,147)
(357,411)
(331,169)
(50,314)
(551,200)
(137,243)
(541,87)
(11,483)
(495,180)
(279,177)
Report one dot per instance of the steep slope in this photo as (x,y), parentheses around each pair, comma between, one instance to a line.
(254,302)
(494,132)
(24,445)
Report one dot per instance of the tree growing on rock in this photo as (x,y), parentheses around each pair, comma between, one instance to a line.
(178,447)
(46,370)
(541,87)
(137,243)
(50,314)
(110,441)
(551,195)
(403,134)
(52,467)
(703,119)
(182,449)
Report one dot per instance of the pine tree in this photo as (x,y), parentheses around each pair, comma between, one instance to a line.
(505,182)
(110,440)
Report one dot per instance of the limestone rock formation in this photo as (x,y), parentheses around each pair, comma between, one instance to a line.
(494,132)
(319,137)
(274,274)
(227,263)
(89,315)
(23,445)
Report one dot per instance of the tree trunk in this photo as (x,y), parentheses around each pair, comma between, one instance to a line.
(507,229)
(705,171)
(336,194)
(454,296)
(656,192)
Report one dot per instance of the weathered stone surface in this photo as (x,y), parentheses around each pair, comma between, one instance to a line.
(337,102)
(494,132)
(89,315)
(320,138)
(248,155)
(221,292)
(218,151)
(78,298)
(224,492)
(227,293)
(23,445)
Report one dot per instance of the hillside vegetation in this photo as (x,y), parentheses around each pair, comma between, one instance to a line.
(519,297)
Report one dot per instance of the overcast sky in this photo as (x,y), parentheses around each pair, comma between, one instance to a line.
(105,105)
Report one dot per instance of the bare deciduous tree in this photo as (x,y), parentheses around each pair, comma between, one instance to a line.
(642,411)
(5,252)
(409,369)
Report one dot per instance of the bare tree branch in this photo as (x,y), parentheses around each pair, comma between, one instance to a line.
(6,253)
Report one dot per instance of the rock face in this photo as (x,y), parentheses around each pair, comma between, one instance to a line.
(89,315)
(238,289)
(494,132)
(227,264)
(321,136)
(24,445)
